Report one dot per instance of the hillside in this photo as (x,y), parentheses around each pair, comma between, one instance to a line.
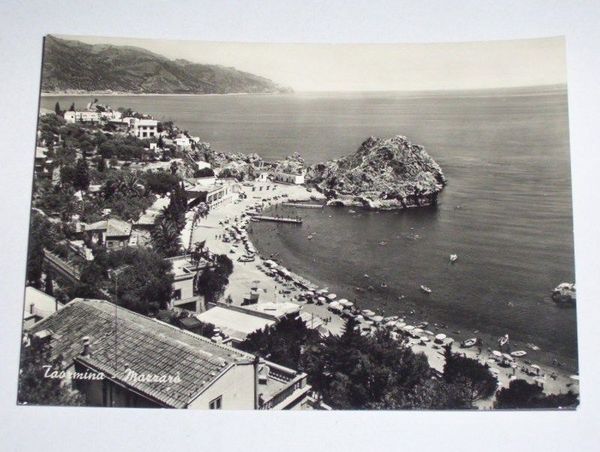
(387,173)
(73,66)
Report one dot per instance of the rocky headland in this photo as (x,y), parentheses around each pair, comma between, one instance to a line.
(384,173)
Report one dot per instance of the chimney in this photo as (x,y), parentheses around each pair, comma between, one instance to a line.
(87,346)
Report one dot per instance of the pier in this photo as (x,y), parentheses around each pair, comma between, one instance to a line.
(296,220)
(302,205)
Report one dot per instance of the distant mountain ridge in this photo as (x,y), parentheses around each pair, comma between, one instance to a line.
(73,66)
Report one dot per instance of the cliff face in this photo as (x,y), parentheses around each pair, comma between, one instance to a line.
(387,173)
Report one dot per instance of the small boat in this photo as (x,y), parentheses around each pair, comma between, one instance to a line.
(453,258)
(383,243)
(383,285)
(425,289)
(503,340)
(309,237)
(518,353)
(469,342)
(352,211)
(365,276)
(533,347)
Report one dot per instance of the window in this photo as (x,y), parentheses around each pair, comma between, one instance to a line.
(215,404)
(177,294)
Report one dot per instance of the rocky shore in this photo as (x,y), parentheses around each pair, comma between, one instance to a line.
(384,173)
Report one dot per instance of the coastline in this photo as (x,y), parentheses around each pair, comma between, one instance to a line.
(125,94)
(248,274)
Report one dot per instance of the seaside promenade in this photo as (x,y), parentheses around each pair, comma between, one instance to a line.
(248,274)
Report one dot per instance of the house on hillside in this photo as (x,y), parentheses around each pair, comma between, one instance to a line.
(113,234)
(213,195)
(38,305)
(119,358)
(289,178)
(185,295)
(82,116)
(145,128)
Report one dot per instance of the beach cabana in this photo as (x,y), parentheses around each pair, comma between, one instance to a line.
(335,306)
(439,338)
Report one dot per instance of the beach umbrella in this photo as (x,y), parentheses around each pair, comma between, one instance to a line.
(332,296)
(377,318)
(408,328)
(400,324)
(440,337)
(535,366)
(417,330)
(321,299)
(450,340)
(425,338)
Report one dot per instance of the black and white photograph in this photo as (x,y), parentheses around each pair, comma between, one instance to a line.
(264,226)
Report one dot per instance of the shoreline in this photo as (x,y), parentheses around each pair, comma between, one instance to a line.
(247,274)
(124,94)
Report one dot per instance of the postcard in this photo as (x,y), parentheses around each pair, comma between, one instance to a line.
(245,226)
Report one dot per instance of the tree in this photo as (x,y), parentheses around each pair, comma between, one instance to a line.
(470,376)
(524,395)
(39,237)
(212,280)
(72,107)
(204,172)
(101,165)
(57,109)
(49,286)
(165,238)
(199,252)
(81,177)
(142,279)
(281,343)
(34,387)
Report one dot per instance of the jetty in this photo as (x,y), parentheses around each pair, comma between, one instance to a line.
(296,220)
(302,205)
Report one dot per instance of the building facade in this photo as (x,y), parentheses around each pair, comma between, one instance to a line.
(119,358)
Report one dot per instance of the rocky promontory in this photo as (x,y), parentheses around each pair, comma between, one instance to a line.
(385,173)
(565,293)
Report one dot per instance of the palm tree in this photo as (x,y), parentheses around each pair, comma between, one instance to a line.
(165,237)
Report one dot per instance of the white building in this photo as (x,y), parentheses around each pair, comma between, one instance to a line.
(81,116)
(289,178)
(145,128)
(183,143)
(184,292)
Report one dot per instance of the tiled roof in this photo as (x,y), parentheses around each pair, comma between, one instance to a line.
(141,344)
(118,228)
(112,226)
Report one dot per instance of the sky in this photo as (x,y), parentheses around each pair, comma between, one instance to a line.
(376,67)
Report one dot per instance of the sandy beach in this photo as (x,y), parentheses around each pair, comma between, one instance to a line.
(251,274)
